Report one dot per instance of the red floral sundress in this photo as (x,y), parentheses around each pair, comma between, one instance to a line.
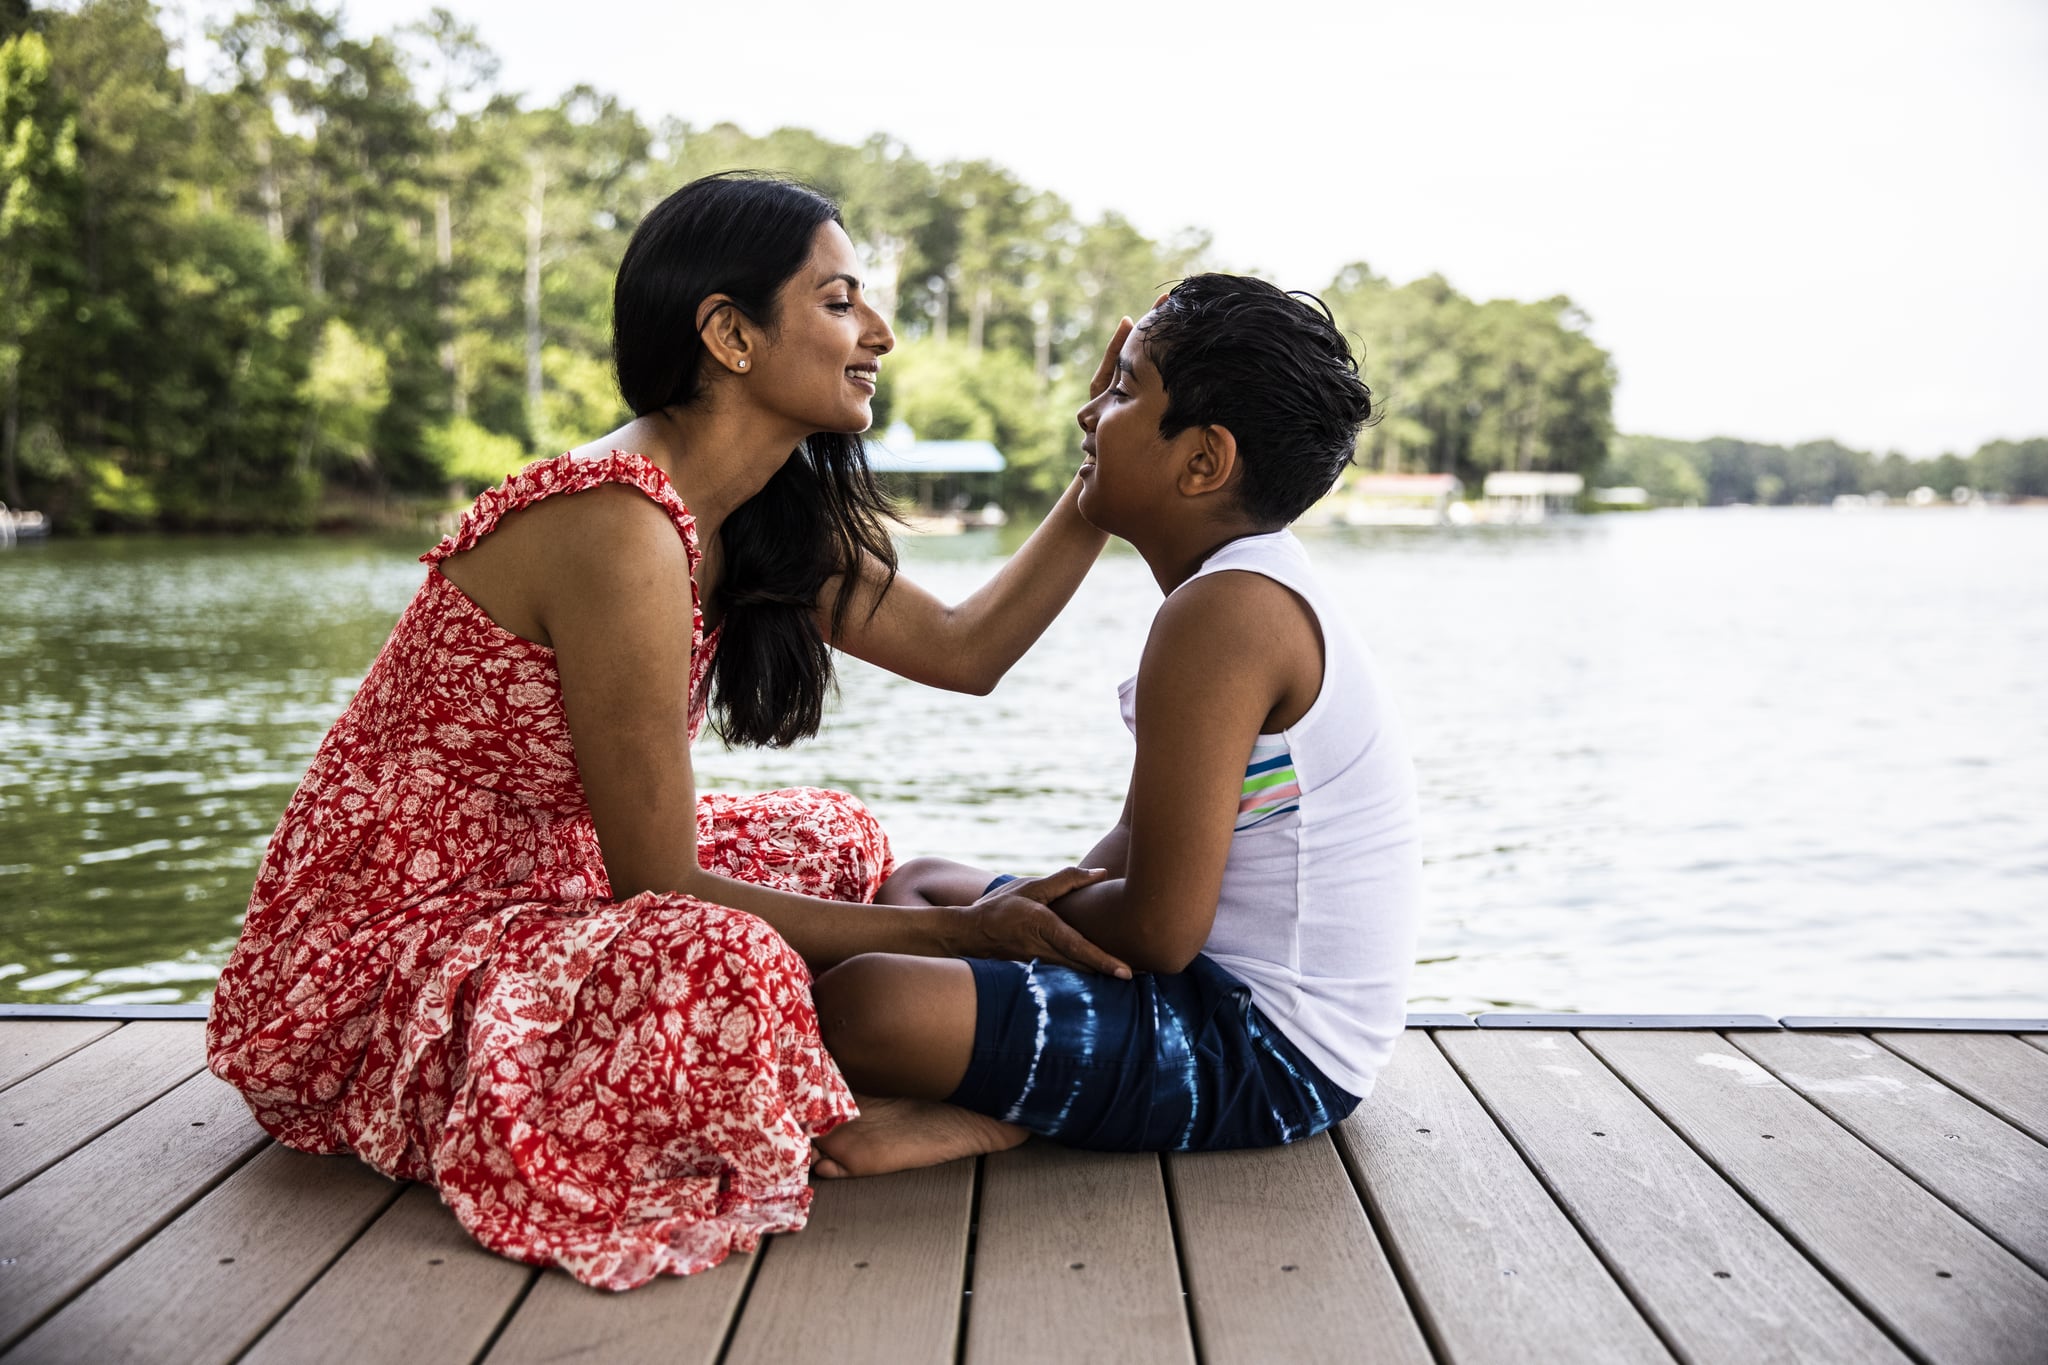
(433,973)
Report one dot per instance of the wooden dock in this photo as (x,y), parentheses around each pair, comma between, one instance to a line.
(1537,1189)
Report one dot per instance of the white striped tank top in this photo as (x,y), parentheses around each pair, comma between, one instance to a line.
(1322,890)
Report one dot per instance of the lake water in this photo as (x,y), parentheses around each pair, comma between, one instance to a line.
(1770,761)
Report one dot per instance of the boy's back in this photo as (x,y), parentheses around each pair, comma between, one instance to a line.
(1320,894)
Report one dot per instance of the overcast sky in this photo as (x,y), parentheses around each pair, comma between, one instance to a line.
(1787,218)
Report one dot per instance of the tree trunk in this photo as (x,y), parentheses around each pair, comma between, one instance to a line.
(10,434)
(1041,340)
(536,203)
(977,317)
(940,315)
(316,244)
(273,201)
(225,428)
(444,257)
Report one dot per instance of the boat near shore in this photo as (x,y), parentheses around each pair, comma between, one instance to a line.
(16,526)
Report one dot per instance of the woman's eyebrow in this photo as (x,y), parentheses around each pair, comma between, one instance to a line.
(842,277)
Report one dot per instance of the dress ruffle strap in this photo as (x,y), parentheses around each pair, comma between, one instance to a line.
(566,473)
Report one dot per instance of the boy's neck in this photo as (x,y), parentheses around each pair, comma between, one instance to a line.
(1175,553)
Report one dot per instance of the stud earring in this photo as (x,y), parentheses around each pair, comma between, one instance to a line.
(743,364)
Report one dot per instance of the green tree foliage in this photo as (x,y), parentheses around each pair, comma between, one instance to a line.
(38,163)
(1665,469)
(1467,388)
(341,264)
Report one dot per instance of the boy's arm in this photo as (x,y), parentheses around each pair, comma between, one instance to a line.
(1112,851)
(1224,652)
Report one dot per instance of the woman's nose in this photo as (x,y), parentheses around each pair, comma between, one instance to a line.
(1086,416)
(881,337)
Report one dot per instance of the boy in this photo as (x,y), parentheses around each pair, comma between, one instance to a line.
(1262,881)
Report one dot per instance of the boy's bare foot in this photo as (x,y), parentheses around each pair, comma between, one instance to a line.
(900,1135)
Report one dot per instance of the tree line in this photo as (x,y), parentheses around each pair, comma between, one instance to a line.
(1724,470)
(336,270)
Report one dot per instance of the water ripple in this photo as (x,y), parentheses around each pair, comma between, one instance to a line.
(1777,763)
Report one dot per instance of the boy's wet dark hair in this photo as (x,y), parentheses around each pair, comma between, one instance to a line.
(1269,365)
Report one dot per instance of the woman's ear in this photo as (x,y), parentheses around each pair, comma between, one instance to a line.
(728,334)
(1210,464)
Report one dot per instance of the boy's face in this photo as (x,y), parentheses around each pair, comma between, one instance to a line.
(1129,468)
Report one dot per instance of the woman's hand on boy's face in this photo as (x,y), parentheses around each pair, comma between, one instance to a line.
(1106,371)
(1013,922)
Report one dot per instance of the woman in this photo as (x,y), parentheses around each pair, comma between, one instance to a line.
(499,942)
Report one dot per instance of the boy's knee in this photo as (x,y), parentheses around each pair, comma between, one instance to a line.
(904,885)
(854,1016)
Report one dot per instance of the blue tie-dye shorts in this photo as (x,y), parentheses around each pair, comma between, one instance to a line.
(1160,1063)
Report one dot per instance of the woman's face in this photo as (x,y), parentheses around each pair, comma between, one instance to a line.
(819,368)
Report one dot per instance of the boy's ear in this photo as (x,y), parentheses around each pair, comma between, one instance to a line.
(1211,462)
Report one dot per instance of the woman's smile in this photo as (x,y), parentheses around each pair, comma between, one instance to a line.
(863,377)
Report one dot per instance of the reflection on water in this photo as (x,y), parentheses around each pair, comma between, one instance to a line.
(1783,762)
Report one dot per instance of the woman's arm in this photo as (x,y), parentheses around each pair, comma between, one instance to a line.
(614,599)
(969,647)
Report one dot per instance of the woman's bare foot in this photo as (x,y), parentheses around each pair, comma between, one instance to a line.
(900,1135)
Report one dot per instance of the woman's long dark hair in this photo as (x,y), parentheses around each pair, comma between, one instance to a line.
(744,234)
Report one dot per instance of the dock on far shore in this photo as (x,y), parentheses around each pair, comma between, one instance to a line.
(1518,1189)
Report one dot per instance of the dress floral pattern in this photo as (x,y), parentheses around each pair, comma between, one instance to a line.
(433,973)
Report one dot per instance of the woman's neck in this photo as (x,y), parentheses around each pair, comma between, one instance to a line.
(716,459)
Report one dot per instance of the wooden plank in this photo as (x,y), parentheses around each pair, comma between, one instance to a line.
(71,1102)
(1944,1289)
(196,1009)
(2039,1040)
(1494,1268)
(1282,1263)
(29,1045)
(1719,1282)
(60,1230)
(1828,1023)
(670,1321)
(206,1286)
(1074,1262)
(875,1276)
(1626,1021)
(1998,1071)
(1982,1167)
(415,1286)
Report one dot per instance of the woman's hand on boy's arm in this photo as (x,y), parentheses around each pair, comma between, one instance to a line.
(1217,662)
(1014,921)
